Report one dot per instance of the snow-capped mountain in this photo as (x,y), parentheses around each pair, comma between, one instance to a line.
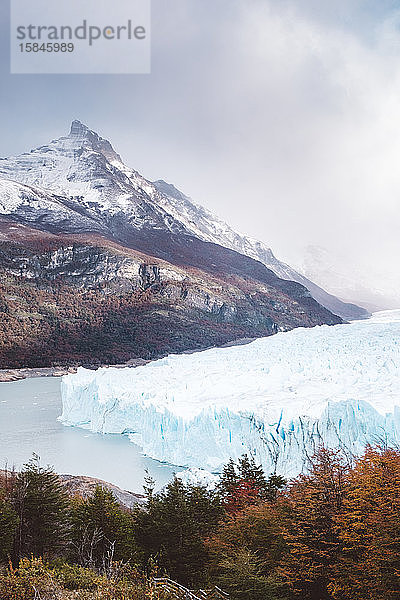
(278,398)
(88,174)
(78,182)
(34,205)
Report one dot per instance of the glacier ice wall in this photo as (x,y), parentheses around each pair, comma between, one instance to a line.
(278,397)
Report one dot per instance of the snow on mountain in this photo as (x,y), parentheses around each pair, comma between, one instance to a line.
(34,205)
(278,397)
(89,177)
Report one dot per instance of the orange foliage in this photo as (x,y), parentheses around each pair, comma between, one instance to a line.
(334,534)
(315,500)
(257,528)
(369,530)
(242,495)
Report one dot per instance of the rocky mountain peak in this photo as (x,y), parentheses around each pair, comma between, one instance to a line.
(78,129)
(91,140)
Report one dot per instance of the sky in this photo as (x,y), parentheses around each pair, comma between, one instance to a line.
(281,116)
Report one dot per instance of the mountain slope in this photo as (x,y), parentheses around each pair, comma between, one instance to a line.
(70,299)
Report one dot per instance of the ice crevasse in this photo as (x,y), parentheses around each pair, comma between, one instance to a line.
(278,397)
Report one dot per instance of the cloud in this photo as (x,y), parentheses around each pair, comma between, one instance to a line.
(305,113)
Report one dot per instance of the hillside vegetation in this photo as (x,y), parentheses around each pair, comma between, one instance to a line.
(332,534)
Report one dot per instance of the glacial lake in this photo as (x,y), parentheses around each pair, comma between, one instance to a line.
(28,423)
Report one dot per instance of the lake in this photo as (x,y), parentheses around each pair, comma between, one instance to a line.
(28,423)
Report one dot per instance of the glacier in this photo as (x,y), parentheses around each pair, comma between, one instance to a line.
(278,398)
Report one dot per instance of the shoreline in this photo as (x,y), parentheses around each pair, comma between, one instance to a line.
(7,375)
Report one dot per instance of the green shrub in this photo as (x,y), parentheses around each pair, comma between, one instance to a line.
(8,526)
(75,577)
(34,579)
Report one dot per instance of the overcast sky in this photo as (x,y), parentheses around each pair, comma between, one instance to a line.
(281,116)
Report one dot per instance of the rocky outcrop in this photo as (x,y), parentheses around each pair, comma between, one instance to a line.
(84,486)
(149,275)
(81,265)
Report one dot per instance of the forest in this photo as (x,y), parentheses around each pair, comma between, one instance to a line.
(332,533)
(56,324)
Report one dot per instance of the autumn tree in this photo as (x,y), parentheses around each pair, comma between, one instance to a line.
(244,483)
(315,501)
(369,530)
(246,550)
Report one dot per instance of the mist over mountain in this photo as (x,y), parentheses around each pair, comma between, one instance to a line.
(341,275)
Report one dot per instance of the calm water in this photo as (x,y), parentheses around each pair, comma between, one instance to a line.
(28,423)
